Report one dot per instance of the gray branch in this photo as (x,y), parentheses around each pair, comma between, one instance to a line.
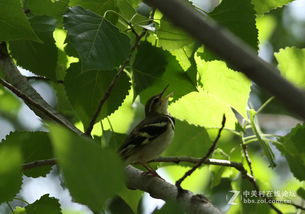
(158,188)
(18,84)
(234,51)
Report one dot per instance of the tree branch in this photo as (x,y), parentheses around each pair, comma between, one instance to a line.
(18,84)
(48,162)
(233,50)
(158,188)
(202,160)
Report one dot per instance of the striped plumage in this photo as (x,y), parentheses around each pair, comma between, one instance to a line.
(152,135)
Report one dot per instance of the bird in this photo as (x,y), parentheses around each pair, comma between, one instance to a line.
(152,135)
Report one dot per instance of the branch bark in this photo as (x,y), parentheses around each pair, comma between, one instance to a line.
(18,84)
(234,51)
(158,188)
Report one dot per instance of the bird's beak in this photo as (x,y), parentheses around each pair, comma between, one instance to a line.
(168,96)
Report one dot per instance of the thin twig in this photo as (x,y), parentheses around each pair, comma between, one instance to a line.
(218,162)
(202,160)
(35,104)
(11,208)
(43,78)
(238,166)
(246,153)
(264,105)
(48,162)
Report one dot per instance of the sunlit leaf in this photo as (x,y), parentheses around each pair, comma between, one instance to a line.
(171,37)
(291,62)
(10,172)
(293,149)
(202,109)
(226,85)
(264,6)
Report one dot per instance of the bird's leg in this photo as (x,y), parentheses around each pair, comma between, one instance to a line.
(150,170)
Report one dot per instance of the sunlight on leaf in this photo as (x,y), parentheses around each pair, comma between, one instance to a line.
(227,86)
(202,109)
(10,172)
(291,62)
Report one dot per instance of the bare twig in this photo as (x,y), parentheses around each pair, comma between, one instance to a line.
(18,84)
(35,104)
(43,78)
(48,162)
(218,162)
(238,166)
(209,161)
(246,154)
(202,160)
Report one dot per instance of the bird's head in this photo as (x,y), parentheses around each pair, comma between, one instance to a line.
(157,104)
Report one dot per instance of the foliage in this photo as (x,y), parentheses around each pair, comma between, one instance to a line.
(125,52)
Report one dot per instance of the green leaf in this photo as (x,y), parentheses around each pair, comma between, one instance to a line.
(149,65)
(239,17)
(264,144)
(156,78)
(46,205)
(39,58)
(291,62)
(182,55)
(93,86)
(8,102)
(189,140)
(92,174)
(34,146)
(202,109)
(99,44)
(132,16)
(112,139)
(264,6)
(13,22)
(170,207)
(229,87)
(47,7)
(170,37)
(119,206)
(292,147)
(10,172)
(19,210)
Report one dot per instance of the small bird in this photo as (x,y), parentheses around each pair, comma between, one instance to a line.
(152,135)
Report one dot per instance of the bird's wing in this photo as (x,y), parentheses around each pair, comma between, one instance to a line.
(149,129)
